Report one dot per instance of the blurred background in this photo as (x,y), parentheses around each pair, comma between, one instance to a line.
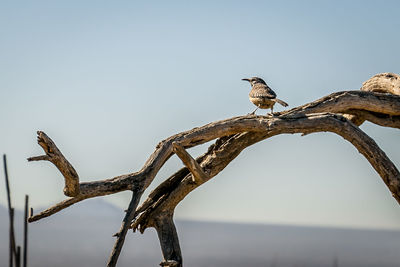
(108,80)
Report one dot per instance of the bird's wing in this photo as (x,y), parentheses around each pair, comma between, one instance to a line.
(262,91)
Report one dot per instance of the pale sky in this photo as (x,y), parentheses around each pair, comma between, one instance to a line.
(107,80)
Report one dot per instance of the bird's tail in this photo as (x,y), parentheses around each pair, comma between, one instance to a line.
(283,103)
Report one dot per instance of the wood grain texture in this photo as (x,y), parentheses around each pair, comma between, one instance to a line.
(383,83)
(198,175)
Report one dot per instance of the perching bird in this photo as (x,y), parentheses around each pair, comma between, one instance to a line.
(262,96)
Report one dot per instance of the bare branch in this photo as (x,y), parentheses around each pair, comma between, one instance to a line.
(341,102)
(198,174)
(220,156)
(164,198)
(337,102)
(232,136)
(130,213)
(38,158)
(54,155)
(54,209)
(359,116)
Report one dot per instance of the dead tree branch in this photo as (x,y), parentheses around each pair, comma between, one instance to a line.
(334,113)
(198,175)
(164,199)
(54,155)
(129,216)
(340,102)
(54,209)
(344,101)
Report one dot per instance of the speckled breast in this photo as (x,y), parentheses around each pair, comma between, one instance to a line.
(262,102)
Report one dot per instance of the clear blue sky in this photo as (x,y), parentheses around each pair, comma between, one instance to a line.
(107,80)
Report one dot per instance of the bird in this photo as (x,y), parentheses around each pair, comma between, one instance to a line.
(262,95)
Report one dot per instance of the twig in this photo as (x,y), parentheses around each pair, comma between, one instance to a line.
(129,216)
(54,155)
(198,174)
(54,209)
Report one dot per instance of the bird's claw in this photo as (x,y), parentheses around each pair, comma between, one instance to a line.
(269,114)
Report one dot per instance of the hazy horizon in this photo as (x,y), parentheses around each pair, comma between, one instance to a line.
(313,226)
(86,233)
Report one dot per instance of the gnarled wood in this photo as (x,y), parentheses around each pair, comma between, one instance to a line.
(198,175)
(386,83)
(226,150)
(383,83)
(54,155)
(165,198)
(341,102)
(232,136)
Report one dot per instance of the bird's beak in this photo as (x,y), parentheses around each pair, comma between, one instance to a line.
(245,79)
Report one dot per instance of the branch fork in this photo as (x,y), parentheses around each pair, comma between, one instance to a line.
(54,155)
(337,113)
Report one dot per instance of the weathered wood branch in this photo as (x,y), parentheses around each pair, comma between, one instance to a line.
(348,102)
(232,136)
(54,209)
(340,102)
(198,175)
(169,242)
(359,116)
(130,213)
(169,196)
(54,155)
(383,83)
(216,158)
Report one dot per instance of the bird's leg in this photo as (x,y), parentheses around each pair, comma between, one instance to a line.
(253,111)
(272,111)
